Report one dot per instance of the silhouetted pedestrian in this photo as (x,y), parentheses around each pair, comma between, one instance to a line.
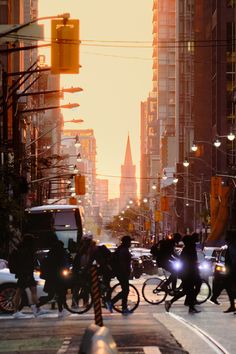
(81,268)
(189,274)
(123,270)
(25,260)
(55,282)
(230,264)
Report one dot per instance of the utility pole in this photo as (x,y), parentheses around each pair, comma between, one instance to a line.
(4,140)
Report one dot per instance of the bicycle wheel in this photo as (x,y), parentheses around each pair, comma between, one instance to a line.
(133,297)
(152,291)
(79,300)
(204,293)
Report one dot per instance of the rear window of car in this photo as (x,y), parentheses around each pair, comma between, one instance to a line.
(222,256)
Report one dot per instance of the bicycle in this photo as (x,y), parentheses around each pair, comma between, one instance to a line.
(79,297)
(155,290)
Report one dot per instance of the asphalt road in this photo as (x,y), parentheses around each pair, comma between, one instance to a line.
(149,330)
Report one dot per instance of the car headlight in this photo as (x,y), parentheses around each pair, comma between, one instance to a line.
(41,282)
(204,266)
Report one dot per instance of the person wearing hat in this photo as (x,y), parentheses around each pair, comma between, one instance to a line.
(123,270)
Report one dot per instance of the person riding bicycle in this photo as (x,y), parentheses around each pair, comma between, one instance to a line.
(81,266)
(189,275)
(165,253)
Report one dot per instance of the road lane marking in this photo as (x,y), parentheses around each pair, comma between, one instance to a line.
(151,350)
(65,345)
(215,346)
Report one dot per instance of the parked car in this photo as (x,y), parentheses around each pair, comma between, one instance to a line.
(8,289)
(137,267)
(149,264)
(211,253)
(220,270)
(204,265)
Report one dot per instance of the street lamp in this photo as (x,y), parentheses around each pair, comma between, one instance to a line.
(186,162)
(77,142)
(175,179)
(54,127)
(231,136)
(217,143)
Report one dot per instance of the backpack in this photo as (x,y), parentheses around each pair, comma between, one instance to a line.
(115,262)
(162,251)
(13,261)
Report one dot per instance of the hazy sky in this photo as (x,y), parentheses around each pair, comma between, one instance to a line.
(114,80)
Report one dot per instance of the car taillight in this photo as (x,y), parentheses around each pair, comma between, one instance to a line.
(220,269)
(65,272)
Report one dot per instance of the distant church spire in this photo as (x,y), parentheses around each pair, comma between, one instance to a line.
(128,183)
(128,156)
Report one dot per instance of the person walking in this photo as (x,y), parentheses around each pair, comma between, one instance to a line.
(189,275)
(81,267)
(123,270)
(230,264)
(24,258)
(55,285)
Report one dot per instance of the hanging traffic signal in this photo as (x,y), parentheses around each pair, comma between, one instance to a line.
(65,46)
(72,201)
(80,185)
(157,215)
(164,204)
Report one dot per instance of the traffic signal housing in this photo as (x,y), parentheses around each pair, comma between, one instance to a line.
(80,185)
(65,46)
(164,203)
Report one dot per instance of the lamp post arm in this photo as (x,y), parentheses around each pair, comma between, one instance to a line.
(42,135)
(51,177)
(18,49)
(73,105)
(43,152)
(16,29)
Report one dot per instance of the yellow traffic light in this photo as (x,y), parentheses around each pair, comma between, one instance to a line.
(80,185)
(65,46)
(131,227)
(157,215)
(164,204)
(147,225)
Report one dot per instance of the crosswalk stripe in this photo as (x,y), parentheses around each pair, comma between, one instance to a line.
(151,350)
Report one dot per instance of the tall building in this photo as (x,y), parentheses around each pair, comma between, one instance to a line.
(84,158)
(128,183)
(102,196)
(214,107)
